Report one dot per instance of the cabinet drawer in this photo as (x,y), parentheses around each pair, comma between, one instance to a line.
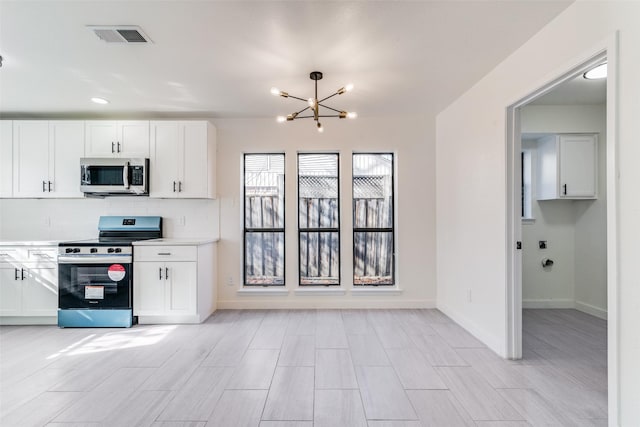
(42,255)
(11,254)
(165,253)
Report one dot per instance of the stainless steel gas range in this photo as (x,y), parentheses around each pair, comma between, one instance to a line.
(95,277)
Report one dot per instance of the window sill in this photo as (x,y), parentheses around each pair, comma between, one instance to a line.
(321,291)
(259,290)
(375,290)
(527,221)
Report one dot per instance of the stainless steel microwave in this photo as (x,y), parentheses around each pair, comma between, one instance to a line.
(114,176)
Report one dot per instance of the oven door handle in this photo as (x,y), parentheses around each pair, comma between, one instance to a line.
(94,259)
(125,175)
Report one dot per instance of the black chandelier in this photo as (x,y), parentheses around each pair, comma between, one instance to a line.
(315,103)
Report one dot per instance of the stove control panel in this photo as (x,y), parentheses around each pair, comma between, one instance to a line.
(95,251)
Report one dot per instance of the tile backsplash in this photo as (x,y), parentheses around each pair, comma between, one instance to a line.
(71,219)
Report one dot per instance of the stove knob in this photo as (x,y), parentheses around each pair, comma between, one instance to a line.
(68,250)
(94,250)
(111,250)
(76,250)
(118,250)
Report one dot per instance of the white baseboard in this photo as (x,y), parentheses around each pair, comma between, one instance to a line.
(591,309)
(495,343)
(548,303)
(316,302)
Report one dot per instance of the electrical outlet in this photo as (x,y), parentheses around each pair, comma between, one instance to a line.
(542,244)
(229,280)
(469,295)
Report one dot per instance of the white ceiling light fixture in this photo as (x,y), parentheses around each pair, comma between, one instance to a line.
(597,72)
(100,101)
(315,103)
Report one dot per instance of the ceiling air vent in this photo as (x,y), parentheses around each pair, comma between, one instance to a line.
(119,33)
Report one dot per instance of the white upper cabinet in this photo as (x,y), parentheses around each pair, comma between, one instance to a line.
(567,167)
(66,147)
(128,138)
(6,158)
(46,158)
(182,160)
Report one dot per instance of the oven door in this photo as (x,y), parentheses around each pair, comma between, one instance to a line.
(95,283)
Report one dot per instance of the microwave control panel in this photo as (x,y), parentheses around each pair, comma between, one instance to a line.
(137,175)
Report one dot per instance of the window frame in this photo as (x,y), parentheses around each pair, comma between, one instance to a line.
(391,229)
(246,230)
(319,230)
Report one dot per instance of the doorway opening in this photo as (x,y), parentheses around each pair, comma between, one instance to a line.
(562,237)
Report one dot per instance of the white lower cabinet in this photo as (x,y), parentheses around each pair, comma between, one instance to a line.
(173,284)
(28,285)
(165,288)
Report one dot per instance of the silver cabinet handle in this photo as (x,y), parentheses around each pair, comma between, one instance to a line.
(16,275)
(44,185)
(179,186)
(22,273)
(118,146)
(49,186)
(166,273)
(160,273)
(113,149)
(164,253)
(174,186)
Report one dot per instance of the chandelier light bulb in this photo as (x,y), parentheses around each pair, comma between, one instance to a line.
(352,115)
(281,119)
(349,87)
(312,102)
(275,91)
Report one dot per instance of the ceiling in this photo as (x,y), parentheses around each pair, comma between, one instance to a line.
(577,91)
(220,58)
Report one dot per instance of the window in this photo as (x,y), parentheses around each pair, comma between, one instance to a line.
(526,178)
(318,219)
(264,219)
(373,243)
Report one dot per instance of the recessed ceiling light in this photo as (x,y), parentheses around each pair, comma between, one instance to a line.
(99,100)
(597,72)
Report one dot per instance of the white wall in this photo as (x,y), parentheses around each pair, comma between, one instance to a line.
(471,183)
(411,140)
(73,219)
(575,231)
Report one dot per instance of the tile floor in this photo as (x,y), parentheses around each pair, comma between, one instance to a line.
(294,368)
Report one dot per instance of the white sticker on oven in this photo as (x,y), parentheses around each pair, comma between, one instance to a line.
(116,272)
(94,292)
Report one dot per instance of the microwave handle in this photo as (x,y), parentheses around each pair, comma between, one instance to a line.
(125,175)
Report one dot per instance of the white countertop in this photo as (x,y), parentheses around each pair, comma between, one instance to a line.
(30,243)
(181,241)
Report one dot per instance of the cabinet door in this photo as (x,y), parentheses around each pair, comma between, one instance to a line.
(101,138)
(194,166)
(66,148)
(148,288)
(6,158)
(182,284)
(578,168)
(10,290)
(133,139)
(40,291)
(165,157)
(30,158)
